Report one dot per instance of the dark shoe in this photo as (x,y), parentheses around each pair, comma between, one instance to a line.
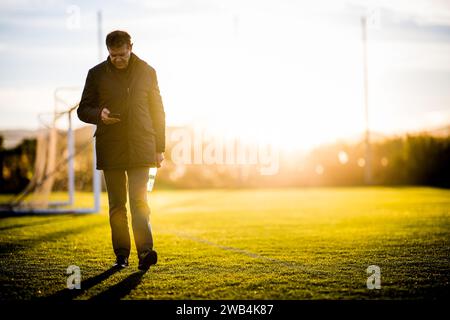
(147,259)
(121,262)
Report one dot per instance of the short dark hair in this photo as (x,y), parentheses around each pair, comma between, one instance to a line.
(117,39)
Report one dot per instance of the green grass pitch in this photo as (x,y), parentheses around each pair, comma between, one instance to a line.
(243,244)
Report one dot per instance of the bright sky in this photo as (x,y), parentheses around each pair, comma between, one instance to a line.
(282,71)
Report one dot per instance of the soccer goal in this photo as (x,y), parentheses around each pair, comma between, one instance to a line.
(64,167)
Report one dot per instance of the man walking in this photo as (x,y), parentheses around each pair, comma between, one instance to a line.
(121,96)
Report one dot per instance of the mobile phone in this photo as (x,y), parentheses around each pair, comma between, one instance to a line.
(114,115)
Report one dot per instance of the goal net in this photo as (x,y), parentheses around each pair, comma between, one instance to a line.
(63,177)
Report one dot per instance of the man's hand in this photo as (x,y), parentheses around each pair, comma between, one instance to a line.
(159,159)
(106,119)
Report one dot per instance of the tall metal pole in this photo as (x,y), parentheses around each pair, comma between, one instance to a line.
(96,178)
(368,161)
(71,170)
(99,36)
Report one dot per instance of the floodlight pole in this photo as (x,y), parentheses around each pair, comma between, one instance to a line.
(71,148)
(96,174)
(368,162)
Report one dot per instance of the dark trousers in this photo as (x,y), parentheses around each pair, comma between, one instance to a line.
(116,185)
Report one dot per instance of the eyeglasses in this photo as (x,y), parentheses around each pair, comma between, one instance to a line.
(122,55)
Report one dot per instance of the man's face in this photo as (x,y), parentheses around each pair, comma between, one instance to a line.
(120,56)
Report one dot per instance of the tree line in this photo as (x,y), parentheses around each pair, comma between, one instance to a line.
(420,159)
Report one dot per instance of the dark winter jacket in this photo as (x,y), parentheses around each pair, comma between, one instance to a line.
(135,140)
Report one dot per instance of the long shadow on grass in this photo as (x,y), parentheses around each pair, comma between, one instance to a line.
(15,246)
(121,289)
(67,294)
(32,224)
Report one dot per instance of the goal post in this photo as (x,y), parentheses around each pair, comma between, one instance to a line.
(57,155)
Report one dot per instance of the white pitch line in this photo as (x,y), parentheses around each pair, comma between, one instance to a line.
(289,265)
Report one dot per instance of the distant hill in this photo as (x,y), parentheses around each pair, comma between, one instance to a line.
(12,138)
